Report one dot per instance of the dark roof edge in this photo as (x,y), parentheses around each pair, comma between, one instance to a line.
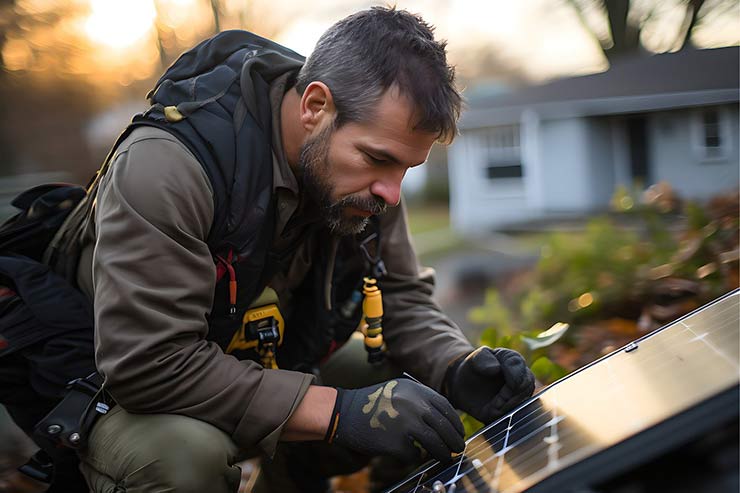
(483,117)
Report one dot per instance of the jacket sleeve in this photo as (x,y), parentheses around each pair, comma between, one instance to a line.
(154,279)
(420,338)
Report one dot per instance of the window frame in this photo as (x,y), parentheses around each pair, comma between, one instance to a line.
(507,156)
(699,134)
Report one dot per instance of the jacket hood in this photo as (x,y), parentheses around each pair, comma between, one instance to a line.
(215,99)
(204,73)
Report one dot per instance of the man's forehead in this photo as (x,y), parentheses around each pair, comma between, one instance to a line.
(396,115)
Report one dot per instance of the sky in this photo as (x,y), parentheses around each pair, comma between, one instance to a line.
(540,36)
(542,39)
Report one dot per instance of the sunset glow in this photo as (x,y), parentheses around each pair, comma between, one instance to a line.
(120,24)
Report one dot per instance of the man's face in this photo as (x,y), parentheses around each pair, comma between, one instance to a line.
(355,171)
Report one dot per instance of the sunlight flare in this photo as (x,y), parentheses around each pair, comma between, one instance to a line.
(120,24)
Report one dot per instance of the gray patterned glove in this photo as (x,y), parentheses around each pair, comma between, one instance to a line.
(391,418)
(489,382)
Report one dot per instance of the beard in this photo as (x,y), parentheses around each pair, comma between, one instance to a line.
(317,187)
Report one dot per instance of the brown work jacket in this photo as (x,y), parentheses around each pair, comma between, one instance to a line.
(152,277)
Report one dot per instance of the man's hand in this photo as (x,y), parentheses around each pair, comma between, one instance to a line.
(394,418)
(489,382)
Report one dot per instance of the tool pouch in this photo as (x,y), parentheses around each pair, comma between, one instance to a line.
(69,424)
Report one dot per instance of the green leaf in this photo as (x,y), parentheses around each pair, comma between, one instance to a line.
(489,337)
(546,371)
(470,424)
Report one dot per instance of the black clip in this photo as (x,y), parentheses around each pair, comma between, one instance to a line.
(376,263)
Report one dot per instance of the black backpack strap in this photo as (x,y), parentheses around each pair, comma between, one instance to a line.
(63,250)
(42,210)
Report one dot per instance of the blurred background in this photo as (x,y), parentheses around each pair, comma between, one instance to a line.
(594,181)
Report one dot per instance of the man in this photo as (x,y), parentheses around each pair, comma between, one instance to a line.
(257,180)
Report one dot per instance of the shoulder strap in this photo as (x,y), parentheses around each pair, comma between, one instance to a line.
(62,253)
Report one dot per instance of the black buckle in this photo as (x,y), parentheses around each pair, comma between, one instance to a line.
(70,422)
(265,331)
(85,385)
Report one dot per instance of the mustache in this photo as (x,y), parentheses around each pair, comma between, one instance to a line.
(373,204)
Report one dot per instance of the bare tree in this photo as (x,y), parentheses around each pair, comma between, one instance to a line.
(216,10)
(60,102)
(6,149)
(485,64)
(618,25)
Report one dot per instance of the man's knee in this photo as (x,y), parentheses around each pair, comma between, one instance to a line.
(160,452)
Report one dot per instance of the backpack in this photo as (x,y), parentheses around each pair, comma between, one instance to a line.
(46,326)
(31,292)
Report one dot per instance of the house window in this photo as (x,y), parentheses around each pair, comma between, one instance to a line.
(502,157)
(712,138)
(711,134)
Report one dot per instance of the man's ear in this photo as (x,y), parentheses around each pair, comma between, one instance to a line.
(317,106)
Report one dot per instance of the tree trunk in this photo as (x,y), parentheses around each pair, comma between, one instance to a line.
(625,35)
(6,150)
(216,10)
(689,21)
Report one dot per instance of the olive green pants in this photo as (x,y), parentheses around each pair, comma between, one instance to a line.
(139,453)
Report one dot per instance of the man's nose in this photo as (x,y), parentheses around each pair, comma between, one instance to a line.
(388,188)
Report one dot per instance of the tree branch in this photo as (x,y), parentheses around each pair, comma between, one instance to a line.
(689,21)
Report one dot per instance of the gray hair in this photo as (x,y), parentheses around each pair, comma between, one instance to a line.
(363,55)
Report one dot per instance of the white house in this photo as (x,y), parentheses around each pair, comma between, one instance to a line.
(563,147)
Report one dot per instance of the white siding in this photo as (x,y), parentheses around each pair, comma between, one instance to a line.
(674,156)
(477,203)
(565,160)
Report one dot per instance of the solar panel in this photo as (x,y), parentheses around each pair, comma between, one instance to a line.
(655,393)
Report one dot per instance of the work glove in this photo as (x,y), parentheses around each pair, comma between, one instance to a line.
(394,418)
(489,382)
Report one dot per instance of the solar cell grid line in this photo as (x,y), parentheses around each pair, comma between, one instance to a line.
(703,338)
(631,390)
(499,437)
(500,462)
(477,455)
(662,363)
(538,413)
(553,439)
(532,461)
(723,313)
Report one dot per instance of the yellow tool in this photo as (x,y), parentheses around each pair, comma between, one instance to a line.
(372,309)
(262,329)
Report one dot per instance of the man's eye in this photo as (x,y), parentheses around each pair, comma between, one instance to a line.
(376,160)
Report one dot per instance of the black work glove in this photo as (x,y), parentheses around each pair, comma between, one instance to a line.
(391,418)
(489,382)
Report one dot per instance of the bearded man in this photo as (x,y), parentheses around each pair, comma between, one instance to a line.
(224,246)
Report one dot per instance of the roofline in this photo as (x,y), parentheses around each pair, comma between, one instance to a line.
(485,117)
